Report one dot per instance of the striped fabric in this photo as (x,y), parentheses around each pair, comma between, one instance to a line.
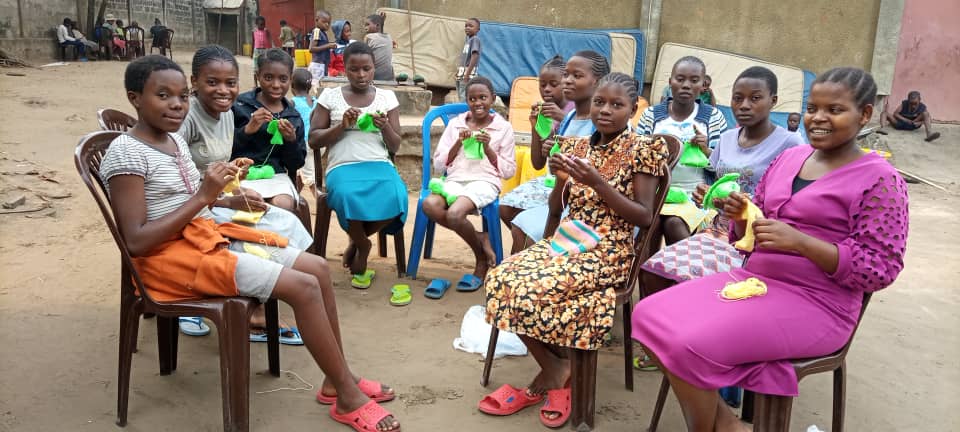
(169,180)
(573,237)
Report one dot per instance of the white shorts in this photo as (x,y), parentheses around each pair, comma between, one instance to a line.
(479,192)
(317,71)
(256,277)
(280,184)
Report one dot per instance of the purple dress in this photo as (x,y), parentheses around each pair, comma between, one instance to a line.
(712,343)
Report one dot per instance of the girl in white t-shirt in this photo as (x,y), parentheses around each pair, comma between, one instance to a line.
(363,186)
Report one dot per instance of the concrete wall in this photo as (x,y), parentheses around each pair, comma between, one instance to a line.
(606,14)
(814,35)
(928,59)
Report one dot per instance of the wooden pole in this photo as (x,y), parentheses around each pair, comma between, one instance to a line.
(219,21)
(20,16)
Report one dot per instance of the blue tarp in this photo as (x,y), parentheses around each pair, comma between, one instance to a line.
(513,50)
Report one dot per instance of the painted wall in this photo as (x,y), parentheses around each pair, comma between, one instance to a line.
(928,58)
(298,14)
(814,35)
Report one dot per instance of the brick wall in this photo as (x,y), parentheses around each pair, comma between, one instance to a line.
(185,17)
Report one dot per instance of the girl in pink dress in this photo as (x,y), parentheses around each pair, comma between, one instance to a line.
(834,226)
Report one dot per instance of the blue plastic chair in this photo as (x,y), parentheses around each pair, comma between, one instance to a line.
(423,227)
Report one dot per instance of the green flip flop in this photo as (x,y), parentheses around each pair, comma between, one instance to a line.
(642,363)
(363,280)
(400,295)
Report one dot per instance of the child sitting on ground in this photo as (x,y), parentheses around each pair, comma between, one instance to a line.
(911,116)
(253,113)
(304,104)
(161,210)
(382,45)
(473,176)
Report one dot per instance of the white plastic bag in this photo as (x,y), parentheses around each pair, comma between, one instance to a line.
(475,336)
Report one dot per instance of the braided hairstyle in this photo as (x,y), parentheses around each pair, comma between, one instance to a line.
(139,70)
(212,53)
(377,20)
(858,81)
(555,62)
(760,73)
(600,66)
(275,55)
(626,81)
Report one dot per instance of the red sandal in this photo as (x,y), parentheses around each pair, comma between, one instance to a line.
(558,401)
(507,400)
(363,419)
(373,390)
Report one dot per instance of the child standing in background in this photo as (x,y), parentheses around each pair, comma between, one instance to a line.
(261,38)
(382,45)
(793,123)
(341,34)
(304,104)
(320,47)
(469,58)
(288,41)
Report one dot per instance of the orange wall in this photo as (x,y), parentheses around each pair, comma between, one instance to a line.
(928,57)
(298,13)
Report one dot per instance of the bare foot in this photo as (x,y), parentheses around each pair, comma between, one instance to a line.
(359,263)
(489,258)
(349,404)
(349,254)
(727,421)
(327,388)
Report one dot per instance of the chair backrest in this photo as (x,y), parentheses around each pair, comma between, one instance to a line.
(113,120)
(642,104)
(445,113)
(168,39)
(647,241)
(524,92)
(87,157)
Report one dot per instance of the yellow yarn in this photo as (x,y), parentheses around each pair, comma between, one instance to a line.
(248,217)
(752,287)
(750,213)
(255,250)
(232,186)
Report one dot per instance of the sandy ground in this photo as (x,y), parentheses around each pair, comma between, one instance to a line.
(59,310)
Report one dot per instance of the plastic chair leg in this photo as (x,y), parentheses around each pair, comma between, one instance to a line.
(382,244)
(234,337)
(400,251)
(583,390)
(839,395)
(167,332)
(416,245)
(747,406)
(658,408)
(491,224)
(488,361)
(627,345)
(129,327)
(272,313)
(322,227)
(772,413)
(428,247)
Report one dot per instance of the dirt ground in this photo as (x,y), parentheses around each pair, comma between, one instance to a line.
(59,310)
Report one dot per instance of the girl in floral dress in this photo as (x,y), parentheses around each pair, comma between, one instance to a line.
(557,302)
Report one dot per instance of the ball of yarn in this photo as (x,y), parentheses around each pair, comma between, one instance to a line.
(260,172)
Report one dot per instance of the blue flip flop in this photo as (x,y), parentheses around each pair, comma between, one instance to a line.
(295,339)
(193,326)
(469,283)
(258,337)
(437,288)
